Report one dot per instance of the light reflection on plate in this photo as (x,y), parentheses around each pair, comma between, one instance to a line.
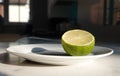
(54,54)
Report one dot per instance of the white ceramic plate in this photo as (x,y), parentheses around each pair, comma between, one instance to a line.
(54,54)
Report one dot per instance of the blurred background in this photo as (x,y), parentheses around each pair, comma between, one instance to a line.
(51,18)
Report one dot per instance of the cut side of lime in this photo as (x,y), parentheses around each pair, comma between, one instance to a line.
(78,42)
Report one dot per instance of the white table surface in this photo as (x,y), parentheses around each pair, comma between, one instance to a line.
(107,66)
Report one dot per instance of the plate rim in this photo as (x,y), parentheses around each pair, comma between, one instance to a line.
(52,56)
(57,60)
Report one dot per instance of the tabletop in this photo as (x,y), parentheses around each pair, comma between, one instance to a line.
(11,65)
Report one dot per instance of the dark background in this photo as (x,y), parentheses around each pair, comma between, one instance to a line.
(51,18)
(93,16)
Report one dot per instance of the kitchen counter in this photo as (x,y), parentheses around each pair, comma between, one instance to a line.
(12,65)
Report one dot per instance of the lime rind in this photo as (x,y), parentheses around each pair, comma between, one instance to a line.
(74,50)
